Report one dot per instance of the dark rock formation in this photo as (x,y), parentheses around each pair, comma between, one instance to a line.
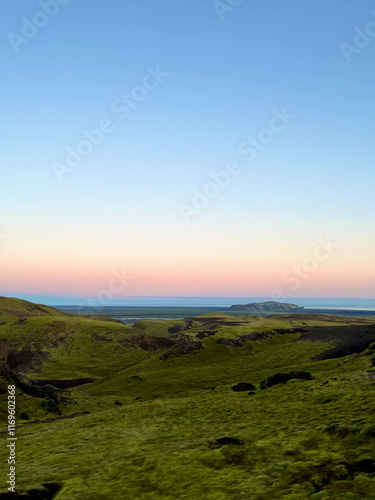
(227,440)
(366,465)
(185,344)
(148,343)
(66,383)
(175,329)
(269,306)
(232,342)
(14,364)
(242,339)
(26,361)
(346,339)
(243,386)
(47,492)
(30,387)
(285,331)
(282,378)
(101,338)
(208,333)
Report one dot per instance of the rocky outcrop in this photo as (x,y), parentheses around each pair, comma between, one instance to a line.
(101,338)
(232,342)
(208,333)
(282,378)
(175,329)
(148,342)
(47,492)
(65,383)
(268,306)
(144,341)
(226,440)
(21,359)
(26,361)
(30,387)
(346,340)
(243,386)
(185,344)
(242,339)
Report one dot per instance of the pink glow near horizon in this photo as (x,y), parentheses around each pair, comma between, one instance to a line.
(188,283)
(252,265)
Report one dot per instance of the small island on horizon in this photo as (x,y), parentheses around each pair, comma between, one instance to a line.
(268,306)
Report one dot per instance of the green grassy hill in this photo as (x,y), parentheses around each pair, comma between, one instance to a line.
(12,309)
(148,412)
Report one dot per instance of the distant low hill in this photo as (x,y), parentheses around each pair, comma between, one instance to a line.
(12,309)
(269,306)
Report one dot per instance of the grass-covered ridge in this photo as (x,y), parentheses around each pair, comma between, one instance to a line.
(152,424)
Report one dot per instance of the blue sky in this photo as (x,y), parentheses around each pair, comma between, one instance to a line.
(225,78)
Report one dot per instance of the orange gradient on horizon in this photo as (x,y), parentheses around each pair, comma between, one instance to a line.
(244,265)
(186,282)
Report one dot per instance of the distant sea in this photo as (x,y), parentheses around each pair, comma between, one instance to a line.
(133,309)
(308,303)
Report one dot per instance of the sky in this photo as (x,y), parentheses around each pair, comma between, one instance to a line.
(187,148)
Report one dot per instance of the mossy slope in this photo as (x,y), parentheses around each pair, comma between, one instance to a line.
(152,425)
